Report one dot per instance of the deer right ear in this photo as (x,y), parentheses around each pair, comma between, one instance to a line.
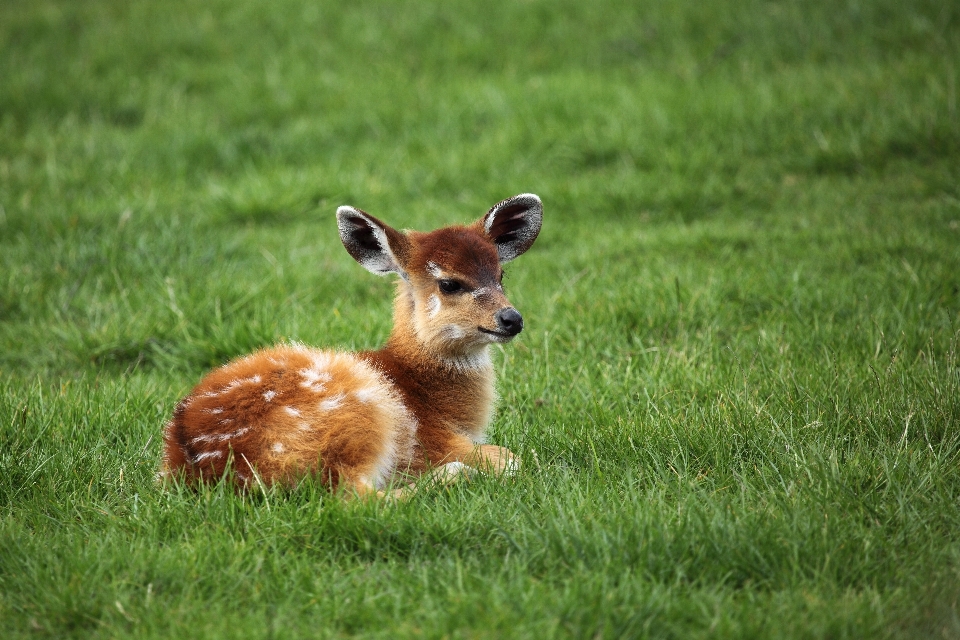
(378,248)
(514,224)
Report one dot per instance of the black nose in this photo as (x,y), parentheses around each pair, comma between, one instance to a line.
(510,321)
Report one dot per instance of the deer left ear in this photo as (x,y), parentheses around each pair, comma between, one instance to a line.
(378,247)
(514,224)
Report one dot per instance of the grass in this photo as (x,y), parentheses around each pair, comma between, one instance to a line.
(737,396)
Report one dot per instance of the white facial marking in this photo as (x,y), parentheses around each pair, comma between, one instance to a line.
(482,291)
(269,395)
(331,403)
(433,306)
(452,332)
(293,412)
(434,270)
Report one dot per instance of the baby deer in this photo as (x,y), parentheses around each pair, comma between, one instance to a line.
(421,402)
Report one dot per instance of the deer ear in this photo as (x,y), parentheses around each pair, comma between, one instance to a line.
(378,247)
(513,224)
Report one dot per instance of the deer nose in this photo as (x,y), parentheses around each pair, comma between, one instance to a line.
(510,321)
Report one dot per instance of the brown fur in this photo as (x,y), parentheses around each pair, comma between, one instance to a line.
(424,400)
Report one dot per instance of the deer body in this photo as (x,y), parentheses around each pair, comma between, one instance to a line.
(358,419)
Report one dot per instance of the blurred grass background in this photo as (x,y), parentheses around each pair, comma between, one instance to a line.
(737,396)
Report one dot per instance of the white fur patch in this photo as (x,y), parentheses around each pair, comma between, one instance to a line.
(277,447)
(434,270)
(433,306)
(220,437)
(471,362)
(230,387)
(207,454)
(269,395)
(366,394)
(331,403)
(292,411)
(452,332)
(453,471)
(314,379)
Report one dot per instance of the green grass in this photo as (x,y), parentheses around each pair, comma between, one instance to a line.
(737,398)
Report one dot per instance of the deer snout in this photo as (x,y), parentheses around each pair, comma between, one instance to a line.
(509,321)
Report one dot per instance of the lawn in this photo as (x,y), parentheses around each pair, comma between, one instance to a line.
(737,397)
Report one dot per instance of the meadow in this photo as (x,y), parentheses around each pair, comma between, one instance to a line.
(737,395)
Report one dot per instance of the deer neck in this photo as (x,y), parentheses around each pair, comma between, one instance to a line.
(454,391)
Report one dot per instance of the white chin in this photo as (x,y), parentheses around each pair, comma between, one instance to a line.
(496,338)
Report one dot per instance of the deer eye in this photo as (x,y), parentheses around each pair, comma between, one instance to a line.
(450,286)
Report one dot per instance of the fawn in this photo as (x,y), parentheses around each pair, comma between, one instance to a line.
(421,403)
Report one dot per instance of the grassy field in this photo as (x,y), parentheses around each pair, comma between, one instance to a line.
(737,399)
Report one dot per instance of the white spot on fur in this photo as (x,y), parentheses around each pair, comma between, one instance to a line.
(233,385)
(277,447)
(366,394)
(320,359)
(314,379)
(292,411)
(433,306)
(434,270)
(331,403)
(220,437)
(269,395)
(207,454)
